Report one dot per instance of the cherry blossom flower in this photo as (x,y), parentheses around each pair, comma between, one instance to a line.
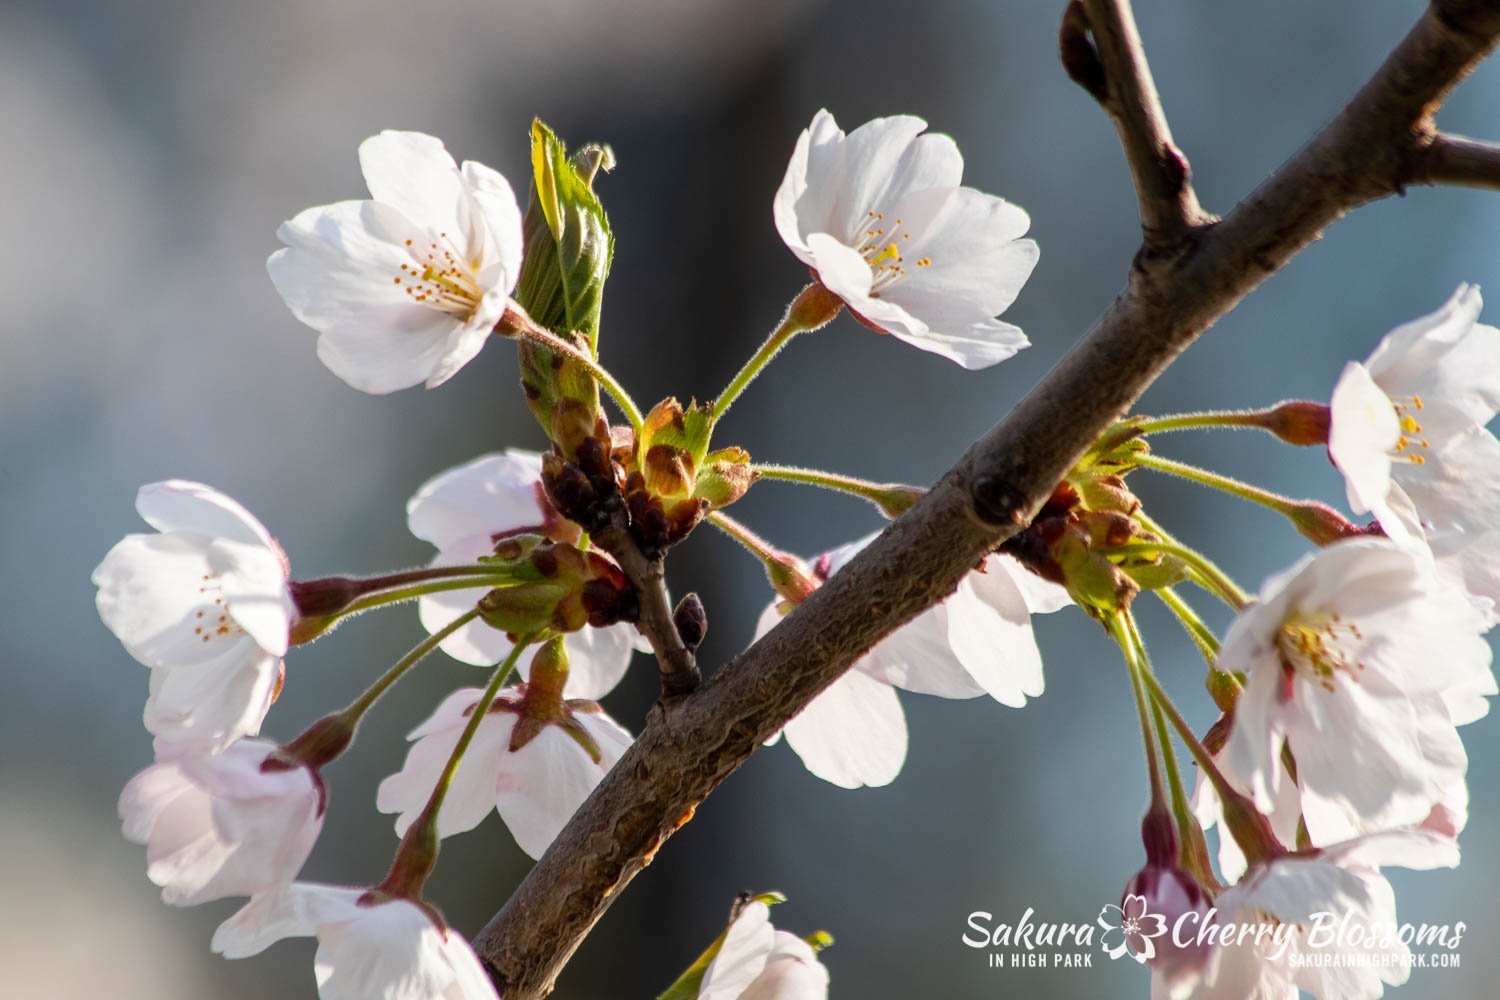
(534,772)
(1309,901)
(370,947)
(758,962)
(205,604)
(977,642)
(405,287)
(1349,655)
(880,215)
(464,512)
(1407,429)
(222,825)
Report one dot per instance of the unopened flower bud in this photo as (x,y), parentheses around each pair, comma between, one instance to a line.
(691,621)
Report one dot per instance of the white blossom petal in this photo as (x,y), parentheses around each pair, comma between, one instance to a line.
(852,734)
(546,781)
(742,956)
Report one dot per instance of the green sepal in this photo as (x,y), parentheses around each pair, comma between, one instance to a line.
(724,477)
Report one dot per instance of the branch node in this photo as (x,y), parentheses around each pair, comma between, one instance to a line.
(997,503)
(1453,160)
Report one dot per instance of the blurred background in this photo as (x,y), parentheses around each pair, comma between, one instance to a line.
(152,148)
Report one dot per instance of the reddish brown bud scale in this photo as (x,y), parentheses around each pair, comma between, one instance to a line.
(691,621)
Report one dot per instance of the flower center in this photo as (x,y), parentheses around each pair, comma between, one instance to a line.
(1409,445)
(880,246)
(213,621)
(1318,647)
(441,278)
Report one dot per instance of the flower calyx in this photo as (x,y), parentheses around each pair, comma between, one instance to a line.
(539,702)
(561,588)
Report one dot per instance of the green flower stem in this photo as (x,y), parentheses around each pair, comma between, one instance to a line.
(1317,522)
(1122,634)
(1202,636)
(893,499)
(748,540)
(757,363)
(360,705)
(789,575)
(813,307)
(417,856)
(497,681)
(1181,811)
(515,322)
(1185,732)
(1252,419)
(385,597)
(1205,573)
(1284,506)
(331,735)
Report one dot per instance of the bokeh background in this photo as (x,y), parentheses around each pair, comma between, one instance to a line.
(149,151)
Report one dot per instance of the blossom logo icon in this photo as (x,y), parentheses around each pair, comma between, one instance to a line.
(1129,929)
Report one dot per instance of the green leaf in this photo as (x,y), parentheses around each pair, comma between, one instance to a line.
(569,244)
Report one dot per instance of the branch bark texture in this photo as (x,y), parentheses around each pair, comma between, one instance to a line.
(1174,293)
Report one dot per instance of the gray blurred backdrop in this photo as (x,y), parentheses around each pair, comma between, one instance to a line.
(149,151)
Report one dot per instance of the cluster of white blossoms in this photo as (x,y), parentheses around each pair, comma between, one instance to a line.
(1343,685)
(1341,751)
(407,287)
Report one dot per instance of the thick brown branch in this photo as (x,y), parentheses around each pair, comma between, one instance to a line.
(689,746)
(1452,159)
(1163,185)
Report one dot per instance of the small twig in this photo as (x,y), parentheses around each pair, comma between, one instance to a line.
(1119,78)
(679,668)
(1453,159)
